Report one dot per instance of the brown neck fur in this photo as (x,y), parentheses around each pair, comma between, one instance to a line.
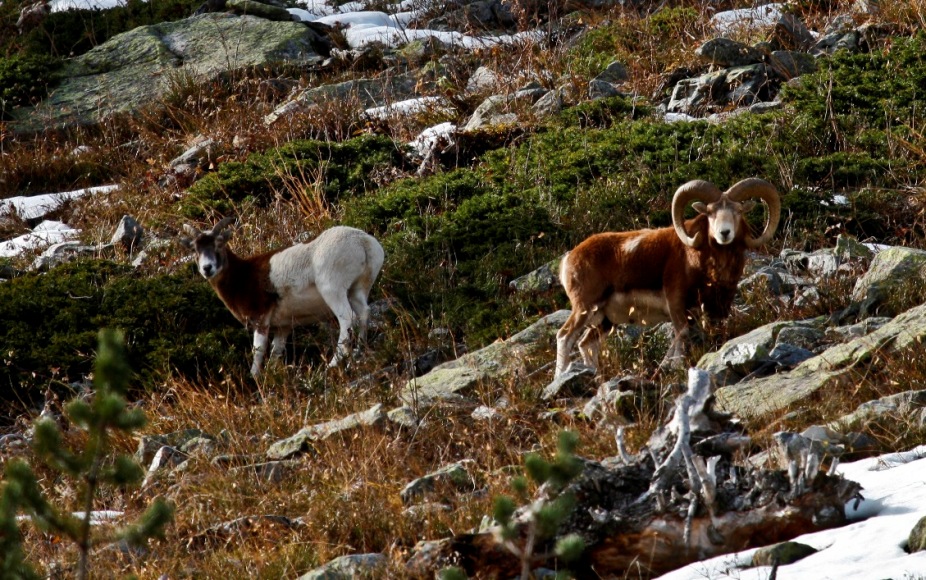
(244,286)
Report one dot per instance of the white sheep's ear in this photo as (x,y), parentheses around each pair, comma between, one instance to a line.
(749,205)
(699,207)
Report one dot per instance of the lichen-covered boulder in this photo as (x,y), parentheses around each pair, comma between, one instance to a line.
(135,68)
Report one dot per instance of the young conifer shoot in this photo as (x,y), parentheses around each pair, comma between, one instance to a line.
(91,468)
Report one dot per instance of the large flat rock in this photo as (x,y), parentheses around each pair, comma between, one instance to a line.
(137,67)
(830,369)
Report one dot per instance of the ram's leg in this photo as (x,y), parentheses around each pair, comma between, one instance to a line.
(567,335)
(678,351)
(340,306)
(590,346)
(261,340)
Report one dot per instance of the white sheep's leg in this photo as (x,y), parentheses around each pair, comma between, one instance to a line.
(340,306)
(358,303)
(261,340)
(278,347)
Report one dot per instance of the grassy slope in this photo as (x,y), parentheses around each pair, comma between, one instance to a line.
(454,240)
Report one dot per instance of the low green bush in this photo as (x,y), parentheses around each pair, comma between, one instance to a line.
(172,324)
(343,168)
(25,80)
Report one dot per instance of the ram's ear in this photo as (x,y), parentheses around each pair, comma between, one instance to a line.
(187,234)
(699,207)
(749,205)
(185,242)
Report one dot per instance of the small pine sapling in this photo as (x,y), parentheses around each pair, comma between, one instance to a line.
(540,519)
(92,467)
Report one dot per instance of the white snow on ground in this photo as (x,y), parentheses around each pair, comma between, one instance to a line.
(45,234)
(408,107)
(364,27)
(36,206)
(757,17)
(871,547)
(425,140)
(62,5)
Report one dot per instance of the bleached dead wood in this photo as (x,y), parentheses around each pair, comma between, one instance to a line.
(665,507)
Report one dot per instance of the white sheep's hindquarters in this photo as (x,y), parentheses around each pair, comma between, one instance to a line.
(279,290)
(652,276)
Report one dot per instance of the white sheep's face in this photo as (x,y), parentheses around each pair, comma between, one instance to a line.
(724,218)
(210,254)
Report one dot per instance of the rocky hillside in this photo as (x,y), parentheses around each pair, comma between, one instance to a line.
(478,141)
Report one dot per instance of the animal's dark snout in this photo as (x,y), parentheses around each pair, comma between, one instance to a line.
(725,234)
(208,270)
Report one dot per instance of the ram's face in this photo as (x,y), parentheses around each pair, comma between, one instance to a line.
(724,218)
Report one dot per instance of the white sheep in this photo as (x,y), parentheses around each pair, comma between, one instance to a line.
(282,289)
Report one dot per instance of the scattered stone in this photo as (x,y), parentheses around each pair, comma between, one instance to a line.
(896,406)
(129,233)
(542,279)
(258,9)
(726,52)
(917,539)
(164,458)
(782,554)
(497,361)
(577,380)
(890,269)
(455,476)
(301,441)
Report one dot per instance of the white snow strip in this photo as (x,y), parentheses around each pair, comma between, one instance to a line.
(872,546)
(408,107)
(62,5)
(35,206)
(425,140)
(756,17)
(45,234)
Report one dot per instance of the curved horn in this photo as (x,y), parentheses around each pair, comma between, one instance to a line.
(224,223)
(695,190)
(755,187)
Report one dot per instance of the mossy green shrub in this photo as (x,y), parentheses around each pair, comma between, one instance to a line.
(74,32)
(452,245)
(343,168)
(172,324)
(25,80)
(864,106)
(603,113)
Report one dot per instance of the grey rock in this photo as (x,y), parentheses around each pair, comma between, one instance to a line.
(694,95)
(576,380)
(791,33)
(848,248)
(890,270)
(788,356)
(129,234)
(128,71)
(196,155)
(64,252)
(781,554)
(788,64)
(404,416)
(599,89)
(455,475)
(483,80)
(497,361)
(148,445)
(746,84)
(258,9)
(164,458)
(301,441)
(726,53)
(614,73)
(830,369)
(370,92)
(848,332)
(269,471)
(549,104)
(917,540)
(608,398)
(492,112)
(485,413)
(605,84)
(540,280)
(805,337)
(152,248)
(896,406)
